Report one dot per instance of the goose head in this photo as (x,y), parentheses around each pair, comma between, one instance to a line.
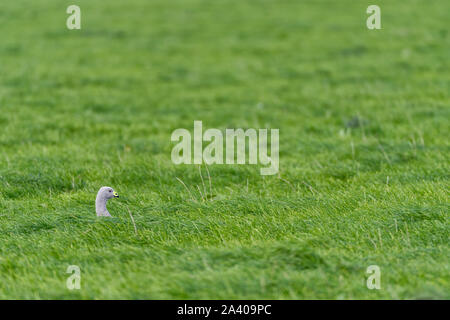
(103,195)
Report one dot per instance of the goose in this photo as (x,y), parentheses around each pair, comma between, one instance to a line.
(103,195)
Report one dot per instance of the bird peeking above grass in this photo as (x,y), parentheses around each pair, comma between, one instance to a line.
(103,195)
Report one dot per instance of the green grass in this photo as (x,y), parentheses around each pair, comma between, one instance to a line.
(364,153)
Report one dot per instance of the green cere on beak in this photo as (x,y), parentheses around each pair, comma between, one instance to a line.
(116,195)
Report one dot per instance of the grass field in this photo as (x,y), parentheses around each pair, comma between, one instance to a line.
(364,152)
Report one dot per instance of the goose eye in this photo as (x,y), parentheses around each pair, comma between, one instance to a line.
(110,190)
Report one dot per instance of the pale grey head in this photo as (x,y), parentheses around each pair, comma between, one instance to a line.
(103,195)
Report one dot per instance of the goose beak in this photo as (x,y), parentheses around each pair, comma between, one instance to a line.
(116,195)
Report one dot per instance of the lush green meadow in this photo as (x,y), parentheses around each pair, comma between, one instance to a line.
(364,152)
